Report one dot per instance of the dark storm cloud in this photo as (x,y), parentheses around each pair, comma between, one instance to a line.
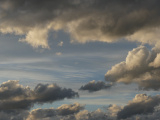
(85,20)
(15,96)
(93,86)
(141,66)
(141,104)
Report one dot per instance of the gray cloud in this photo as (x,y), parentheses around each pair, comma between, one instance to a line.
(69,109)
(141,104)
(141,66)
(85,20)
(14,115)
(15,96)
(142,107)
(52,92)
(63,110)
(93,86)
(50,114)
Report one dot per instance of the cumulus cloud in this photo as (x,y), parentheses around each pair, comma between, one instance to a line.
(52,114)
(113,110)
(69,109)
(142,107)
(141,66)
(93,86)
(95,20)
(141,104)
(63,110)
(15,96)
(74,111)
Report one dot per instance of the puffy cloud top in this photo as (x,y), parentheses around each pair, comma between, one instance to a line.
(141,104)
(141,66)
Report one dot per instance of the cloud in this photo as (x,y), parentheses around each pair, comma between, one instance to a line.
(15,96)
(113,110)
(51,114)
(69,109)
(60,44)
(141,104)
(141,66)
(37,37)
(74,111)
(63,110)
(14,115)
(142,107)
(58,53)
(93,86)
(105,20)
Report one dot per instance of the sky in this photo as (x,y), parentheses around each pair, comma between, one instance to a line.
(79,60)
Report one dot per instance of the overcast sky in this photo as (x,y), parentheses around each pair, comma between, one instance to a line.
(79,59)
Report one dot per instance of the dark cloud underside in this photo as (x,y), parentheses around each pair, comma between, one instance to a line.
(85,20)
(16,96)
(93,86)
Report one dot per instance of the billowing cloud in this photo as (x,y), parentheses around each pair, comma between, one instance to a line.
(52,114)
(15,96)
(63,110)
(142,107)
(141,66)
(74,111)
(113,110)
(93,86)
(103,20)
(141,104)
(69,109)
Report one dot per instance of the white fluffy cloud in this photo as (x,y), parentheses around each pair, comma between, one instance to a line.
(141,66)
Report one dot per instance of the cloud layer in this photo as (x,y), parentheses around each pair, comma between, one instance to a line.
(104,20)
(141,107)
(50,114)
(141,66)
